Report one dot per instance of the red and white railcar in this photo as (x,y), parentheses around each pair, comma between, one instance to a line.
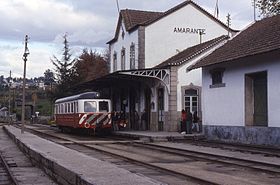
(86,110)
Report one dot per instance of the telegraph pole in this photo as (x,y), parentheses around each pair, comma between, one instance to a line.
(10,97)
(228,23)
(25,54)
(254,5)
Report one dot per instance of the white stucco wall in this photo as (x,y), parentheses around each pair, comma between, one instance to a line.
(185,78)
(124,43)
(226,105)
(161,42)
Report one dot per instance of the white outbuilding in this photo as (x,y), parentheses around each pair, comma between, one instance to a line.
(240,82)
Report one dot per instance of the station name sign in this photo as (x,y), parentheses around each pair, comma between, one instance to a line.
(190,30)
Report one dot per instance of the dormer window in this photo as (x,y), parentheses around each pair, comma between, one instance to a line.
(217,78)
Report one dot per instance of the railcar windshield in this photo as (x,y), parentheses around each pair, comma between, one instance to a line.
(90,106)
(103,106)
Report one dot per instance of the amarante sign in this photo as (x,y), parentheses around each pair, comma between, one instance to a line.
(190,30)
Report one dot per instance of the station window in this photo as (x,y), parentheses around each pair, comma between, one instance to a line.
(123,59)
(132,56)
(115,62)
(217,77)
(191,100)
(90,106)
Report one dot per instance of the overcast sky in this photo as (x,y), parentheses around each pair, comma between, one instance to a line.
(88,23)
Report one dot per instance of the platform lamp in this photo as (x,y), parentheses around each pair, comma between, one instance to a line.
(25,54)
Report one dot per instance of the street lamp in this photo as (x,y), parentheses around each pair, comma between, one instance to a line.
(25,54)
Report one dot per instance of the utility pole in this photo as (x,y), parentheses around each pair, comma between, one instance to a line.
(228,22)
(254,4)
(10,97)
(200,36)
(25,54)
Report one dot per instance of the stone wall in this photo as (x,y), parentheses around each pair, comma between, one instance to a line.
(266,136)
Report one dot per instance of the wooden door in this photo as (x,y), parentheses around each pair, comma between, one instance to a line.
(260,99)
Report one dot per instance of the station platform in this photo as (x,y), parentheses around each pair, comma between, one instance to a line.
(71,167)
(151,136)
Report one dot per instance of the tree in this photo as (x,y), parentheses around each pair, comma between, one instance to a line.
(90,65)
(106,56)
(49,77)
(64,70)
(268,7)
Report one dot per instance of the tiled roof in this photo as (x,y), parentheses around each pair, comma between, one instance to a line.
(191,52)
(263,36)
(133,18)
(184,3)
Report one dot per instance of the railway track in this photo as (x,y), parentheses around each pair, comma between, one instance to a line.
(258,165)
(267,151)
(196,167)
(167,177)
(6,176)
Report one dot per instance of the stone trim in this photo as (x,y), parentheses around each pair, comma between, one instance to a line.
(141,48)
(172,102)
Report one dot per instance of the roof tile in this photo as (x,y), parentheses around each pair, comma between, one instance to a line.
(133,18)
(191,52)
(263,36)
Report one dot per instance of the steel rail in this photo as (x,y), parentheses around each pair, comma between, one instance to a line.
(275,152)
(203,156)
(7,168)
(70,142)
(215,158)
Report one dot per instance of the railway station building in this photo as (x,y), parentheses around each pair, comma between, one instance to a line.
(241,79)
(150,53)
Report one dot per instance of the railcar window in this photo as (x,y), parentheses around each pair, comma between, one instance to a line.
(69,108)
(76,103)
(72,107)
(103,106)
(90,106)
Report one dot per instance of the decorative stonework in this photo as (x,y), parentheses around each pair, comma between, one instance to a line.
(141,51)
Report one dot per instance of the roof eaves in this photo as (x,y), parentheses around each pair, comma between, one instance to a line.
(198,64)
(202,50)
(116,32)
(239,57)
